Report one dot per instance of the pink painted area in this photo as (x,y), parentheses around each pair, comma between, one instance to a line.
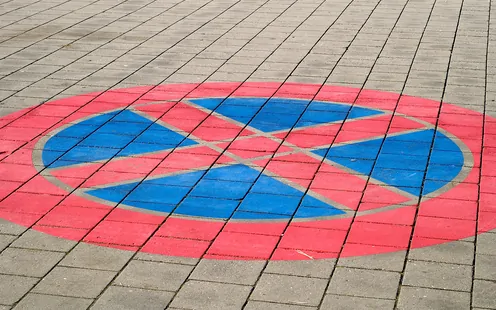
(465,209)
(297,238)
(450,216)
(294,254)
(16,172)
(36,121)
(378,195)
(443,228)
(39,185)
(21,202)
(359,249)
(380,234)
(176,246)
(337,94)
(11,133)
(271,229)
(73,234)
(121,233)
(8,188)
(182,228)
(73,217)
(104,177)
(247,246)
(76,172)
(130,216)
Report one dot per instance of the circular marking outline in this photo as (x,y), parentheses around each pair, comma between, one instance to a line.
(353,249)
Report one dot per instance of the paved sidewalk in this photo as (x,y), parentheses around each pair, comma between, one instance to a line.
(250,154)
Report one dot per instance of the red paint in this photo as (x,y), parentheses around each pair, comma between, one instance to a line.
(45,207)
(380,234)
(244,245)
(181,228)
(297,238)
(176,246)
(121,233)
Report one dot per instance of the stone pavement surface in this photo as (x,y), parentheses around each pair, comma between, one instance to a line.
(301,181)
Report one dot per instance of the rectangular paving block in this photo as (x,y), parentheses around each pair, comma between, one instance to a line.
(485,267)
(26,262)
(364,283)
(389,261)
(228,271)
(262,305)
(153,275)
(36,301)
(289,289)
(438,275)
(210,296)
(455,252)
(304,268)
(12,288)
(342,302)
(485,243)
(74,282)
(418,298)
(5,240)
(118,297)
(484,294)
(96,257)
(40,241)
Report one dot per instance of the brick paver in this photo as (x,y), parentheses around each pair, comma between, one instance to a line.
(85,207)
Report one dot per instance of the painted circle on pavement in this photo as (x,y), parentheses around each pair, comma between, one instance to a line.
(248,171)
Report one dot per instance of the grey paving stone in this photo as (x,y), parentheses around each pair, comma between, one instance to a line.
(74,282)
(485,267)
(364,283)
(166,259)
(96,257)
(5,94)
(427,83)
(456,252)
(417,298)
(384,85)
(211,296)
(5,240)
(261,305)
(228,77)
(12,288)
(306,79)
(339,302)
(228,271)
(305,268)
(484,294)
(389,261)
(36,240)
(33,301)
(116,297)
(438,275)
(386,68)
(428,93)
(485,244)
(25,262)
(289,289)
(153,275)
